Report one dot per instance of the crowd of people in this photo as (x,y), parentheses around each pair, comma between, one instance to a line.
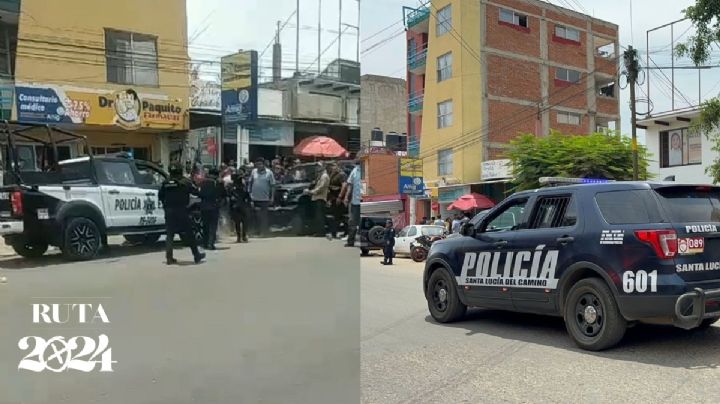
(247,192)
(452,224)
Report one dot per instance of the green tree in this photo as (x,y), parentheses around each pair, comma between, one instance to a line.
(705,17)
(598,155)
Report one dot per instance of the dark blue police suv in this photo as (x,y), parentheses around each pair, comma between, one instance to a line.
(601,255)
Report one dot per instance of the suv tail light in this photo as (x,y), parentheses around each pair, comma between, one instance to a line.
(664,242)
(17,203)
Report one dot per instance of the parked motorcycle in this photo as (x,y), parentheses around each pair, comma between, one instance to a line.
(421,246)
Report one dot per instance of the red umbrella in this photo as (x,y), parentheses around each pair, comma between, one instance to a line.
(471,201)
(320,146)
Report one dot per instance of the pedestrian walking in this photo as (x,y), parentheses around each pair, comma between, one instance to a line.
(318,196)
(388,243)
(337,208)
(212,193)
(456,223)
(262,188)
(240,207)
(174,194)
(351,194)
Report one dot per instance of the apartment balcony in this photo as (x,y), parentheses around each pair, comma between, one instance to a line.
(417,20)
(416,62)
(415,104)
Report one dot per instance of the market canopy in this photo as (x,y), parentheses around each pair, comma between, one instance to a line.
(319,146)
(470,202)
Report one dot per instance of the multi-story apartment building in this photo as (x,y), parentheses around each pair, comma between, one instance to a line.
(116,72)
(481,72)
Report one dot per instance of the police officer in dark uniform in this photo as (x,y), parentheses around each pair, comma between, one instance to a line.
(240,206)
(212,193)
(388,243)
(175,197)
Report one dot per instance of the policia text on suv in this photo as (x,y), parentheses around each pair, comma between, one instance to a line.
(601,255)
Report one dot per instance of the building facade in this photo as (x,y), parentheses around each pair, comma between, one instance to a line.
(676,153)
(382,99)
(480,73)
(116,72)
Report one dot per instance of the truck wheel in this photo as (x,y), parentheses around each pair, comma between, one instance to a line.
(30,249)
(418,254)
(146,239)
(592,317)
(442,297)
(82,239)
(376,235)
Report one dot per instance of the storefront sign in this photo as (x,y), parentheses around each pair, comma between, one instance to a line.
(410,167)
(126,108)
(411,186)
(451,194)
(205,94)
(495,169)
(239,77)
(273,134)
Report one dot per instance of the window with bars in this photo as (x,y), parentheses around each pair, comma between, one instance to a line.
(554,211)
(131,58)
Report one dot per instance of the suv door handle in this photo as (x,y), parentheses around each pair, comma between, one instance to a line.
(500,244)
(565,239)
(113,192)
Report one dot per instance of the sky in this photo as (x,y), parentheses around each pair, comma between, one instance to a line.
(218,27)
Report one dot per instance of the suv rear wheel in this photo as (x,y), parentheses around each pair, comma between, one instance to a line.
(30,249)
(82,239)
(592,317)
(442,297)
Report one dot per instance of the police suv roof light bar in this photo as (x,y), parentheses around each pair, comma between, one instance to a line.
(559,181)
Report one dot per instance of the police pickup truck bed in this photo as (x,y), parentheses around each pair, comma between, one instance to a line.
(603,256)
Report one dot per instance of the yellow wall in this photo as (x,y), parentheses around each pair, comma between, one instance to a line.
(62,43)
(464,88)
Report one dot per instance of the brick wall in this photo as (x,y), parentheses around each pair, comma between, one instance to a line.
(507,120)
(525,41)
(382,174)
(514,78)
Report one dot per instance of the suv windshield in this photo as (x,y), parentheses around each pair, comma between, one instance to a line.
(691,204)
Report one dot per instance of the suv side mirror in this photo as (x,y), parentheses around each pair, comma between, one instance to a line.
(467,229)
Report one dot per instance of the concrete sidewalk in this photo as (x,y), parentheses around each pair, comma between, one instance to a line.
(5,250)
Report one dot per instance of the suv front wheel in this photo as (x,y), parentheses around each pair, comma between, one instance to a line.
(442,298)
(592,317)
(82,239)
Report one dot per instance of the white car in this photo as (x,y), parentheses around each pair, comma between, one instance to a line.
(410,233)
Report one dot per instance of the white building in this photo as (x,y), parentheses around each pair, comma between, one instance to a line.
(674,150)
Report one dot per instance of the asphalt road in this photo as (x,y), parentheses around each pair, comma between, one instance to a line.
(496,357)
(273,321)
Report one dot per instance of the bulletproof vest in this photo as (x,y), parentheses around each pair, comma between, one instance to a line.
(177,194)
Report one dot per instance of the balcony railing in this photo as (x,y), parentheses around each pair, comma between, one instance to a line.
(417,16)
(416,61)
(415,103)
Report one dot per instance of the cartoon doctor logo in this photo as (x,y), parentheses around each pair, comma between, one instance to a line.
(127,108)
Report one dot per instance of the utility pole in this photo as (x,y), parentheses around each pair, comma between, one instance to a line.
(319,32)
(631,70)
(339,32)
(297,37)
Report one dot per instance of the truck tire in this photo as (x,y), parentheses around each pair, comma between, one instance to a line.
(30,249)
(376,235)
(442,298)
(145,239)
(592,317)
(81,239)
